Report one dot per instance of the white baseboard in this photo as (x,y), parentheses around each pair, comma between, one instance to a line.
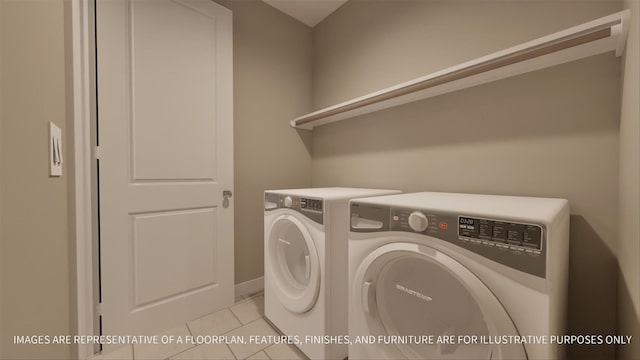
(249,287)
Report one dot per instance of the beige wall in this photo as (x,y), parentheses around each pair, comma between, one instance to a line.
(1,124)
(551,133)
(35,265)
(629,244)
(272,85)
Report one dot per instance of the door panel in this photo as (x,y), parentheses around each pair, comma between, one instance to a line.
(166,154)
(170,90)
(156,233)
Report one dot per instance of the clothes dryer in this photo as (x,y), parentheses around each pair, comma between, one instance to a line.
(457,276)
(305,248)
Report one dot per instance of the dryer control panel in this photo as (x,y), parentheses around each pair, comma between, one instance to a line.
(516,244)
(309,207)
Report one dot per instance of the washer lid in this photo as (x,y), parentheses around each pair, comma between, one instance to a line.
(294,264)
(413,290)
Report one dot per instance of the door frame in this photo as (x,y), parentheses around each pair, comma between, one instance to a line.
(81,102)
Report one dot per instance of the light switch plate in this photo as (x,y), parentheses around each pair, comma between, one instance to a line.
(55,150)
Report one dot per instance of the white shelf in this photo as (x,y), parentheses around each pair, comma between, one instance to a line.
(595,37)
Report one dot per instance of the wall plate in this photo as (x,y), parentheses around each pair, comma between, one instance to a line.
(55,150)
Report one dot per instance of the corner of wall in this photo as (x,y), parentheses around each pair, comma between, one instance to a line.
(272,73)
(70,179)
(629,193)
(1,142)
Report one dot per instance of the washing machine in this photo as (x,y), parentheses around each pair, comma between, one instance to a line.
(457,276)
(305,247)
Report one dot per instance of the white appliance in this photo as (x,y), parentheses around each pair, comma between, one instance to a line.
(457,276)
(305,247)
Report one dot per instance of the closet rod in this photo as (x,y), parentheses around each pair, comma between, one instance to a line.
(580,35)
(466,72)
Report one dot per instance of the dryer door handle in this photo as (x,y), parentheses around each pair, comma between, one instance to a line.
(367,296)
(307,267)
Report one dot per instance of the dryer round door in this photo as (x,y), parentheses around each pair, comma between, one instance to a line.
(294,264)
(414,291)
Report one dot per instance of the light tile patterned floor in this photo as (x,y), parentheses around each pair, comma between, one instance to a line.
(244,318)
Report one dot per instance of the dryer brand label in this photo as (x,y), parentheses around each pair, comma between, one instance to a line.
(417,294)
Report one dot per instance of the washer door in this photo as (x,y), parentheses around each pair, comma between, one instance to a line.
(408,289)
(294,264)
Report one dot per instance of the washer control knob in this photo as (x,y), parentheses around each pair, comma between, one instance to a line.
(288,201)
(418,221)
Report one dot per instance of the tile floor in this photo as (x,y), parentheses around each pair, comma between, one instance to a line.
(244,318)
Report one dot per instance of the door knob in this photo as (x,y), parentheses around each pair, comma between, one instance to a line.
(226,194)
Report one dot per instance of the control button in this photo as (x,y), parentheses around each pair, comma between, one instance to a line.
(418,221)
(288,201)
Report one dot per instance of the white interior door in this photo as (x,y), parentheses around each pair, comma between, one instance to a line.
(165,156)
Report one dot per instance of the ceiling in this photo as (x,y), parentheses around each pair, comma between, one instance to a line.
(310,12)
